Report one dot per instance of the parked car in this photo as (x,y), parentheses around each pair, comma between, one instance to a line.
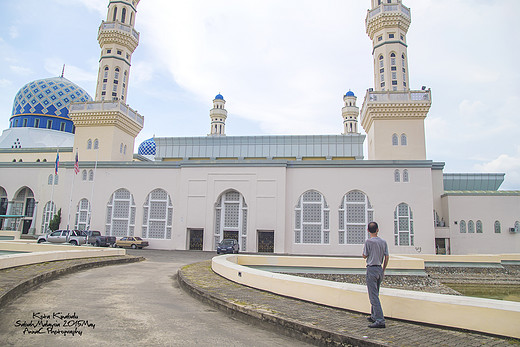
(95,238)
(74,237)
(131,241)
(228,246)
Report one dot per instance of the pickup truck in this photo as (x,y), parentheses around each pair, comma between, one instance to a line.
(95,238)
(74,237)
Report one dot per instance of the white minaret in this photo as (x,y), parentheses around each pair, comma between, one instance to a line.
(107,127)
(118,40)
(392,114)
(350,114)
(387,24)
(218,117)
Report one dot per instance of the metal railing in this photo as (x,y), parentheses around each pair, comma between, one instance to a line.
(97,106)
(389,8)
(119,26)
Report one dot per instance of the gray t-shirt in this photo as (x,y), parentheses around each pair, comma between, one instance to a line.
(375,249)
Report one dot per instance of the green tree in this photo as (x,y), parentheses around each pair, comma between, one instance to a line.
(54,224)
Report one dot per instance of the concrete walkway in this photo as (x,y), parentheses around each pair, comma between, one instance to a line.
(318,324)
(299,320)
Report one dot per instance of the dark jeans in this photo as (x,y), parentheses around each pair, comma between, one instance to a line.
(374,279)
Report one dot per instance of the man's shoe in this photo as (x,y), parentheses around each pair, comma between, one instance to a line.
(377,325)
(370,319)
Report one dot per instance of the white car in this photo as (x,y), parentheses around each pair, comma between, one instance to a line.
(74,237)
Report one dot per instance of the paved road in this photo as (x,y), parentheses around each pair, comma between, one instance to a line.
(137,304)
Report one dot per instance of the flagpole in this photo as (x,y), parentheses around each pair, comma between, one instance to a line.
(72,189)
(92,193)
(56,164)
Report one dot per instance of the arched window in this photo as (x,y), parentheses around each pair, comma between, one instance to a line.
(403,225)
(517,226)
(403,60)
(395,140)
(83,215)
(106,72)
(392,59)
(497,227)
(115,15)
(404,140)
(406,177)
(479,227)
(84,175)
(120,217)
(397,176)
(131,18)
(124,150)
(123,15)
(121,148)
(49,181)
(158,215)
(381,61)
(48,213)
(96,144)
(231,218)
(56,179)
(355,212)
(311,219)
(116,74)
(90,175)
(462,226)
(89,144)
(471,227)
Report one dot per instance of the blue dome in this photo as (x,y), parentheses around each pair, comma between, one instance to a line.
(349,93)
(219,97)
(147,147)
(45,104)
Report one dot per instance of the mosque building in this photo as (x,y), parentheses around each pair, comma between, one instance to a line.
(312,194)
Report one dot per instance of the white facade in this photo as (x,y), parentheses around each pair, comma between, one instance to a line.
(284,194)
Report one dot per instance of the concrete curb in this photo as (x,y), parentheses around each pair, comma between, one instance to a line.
(291,328)
(32,282)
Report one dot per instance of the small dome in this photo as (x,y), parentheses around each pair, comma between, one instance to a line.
(219,97)
(45,104)
(349,93)
(147,147)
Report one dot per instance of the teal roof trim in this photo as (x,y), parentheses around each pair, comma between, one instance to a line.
(473,181)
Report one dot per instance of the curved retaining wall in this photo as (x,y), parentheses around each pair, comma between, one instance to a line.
(484,315)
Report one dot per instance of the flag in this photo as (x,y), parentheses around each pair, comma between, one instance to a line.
(76,164)
(57,164)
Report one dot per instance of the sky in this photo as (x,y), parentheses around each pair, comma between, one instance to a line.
(284,66)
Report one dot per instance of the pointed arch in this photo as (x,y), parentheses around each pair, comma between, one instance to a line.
(89,144)
(355,212)
(120,214)
(158,215)
(231,218)
(404,140)
(406,176)
(463,226)
(49,211)
(312,224)
(83,215)
(403,225)
(397,176)
(395,140)
(114,17)
(123,15)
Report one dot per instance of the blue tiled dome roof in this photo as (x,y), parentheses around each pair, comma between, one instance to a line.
(48,101)
(219,97)
(147,147)
(349,93)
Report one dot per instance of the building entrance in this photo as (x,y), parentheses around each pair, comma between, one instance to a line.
(231,234)
(266,241)
(196,239)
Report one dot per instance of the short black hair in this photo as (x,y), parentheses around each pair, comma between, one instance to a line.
(373,227)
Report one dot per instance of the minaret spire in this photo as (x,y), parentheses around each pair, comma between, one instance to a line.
(392,114)
(118,40)
(218,117)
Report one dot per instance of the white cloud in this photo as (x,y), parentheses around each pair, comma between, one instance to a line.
(54,67)
(5,83)
(508,164)
(20,70)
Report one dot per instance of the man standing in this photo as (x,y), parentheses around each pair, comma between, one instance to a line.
(375,251)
